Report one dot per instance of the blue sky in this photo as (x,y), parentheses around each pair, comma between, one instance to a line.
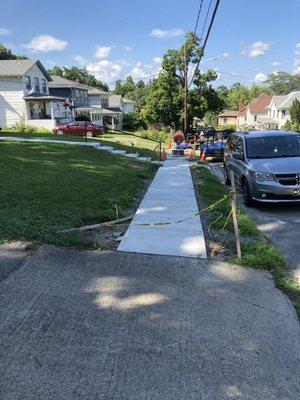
(114,38)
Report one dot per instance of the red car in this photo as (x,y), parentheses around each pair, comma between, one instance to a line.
(78,128)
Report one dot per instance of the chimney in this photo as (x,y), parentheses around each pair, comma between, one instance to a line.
(77,80)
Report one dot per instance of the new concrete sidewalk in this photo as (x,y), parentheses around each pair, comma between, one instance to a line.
(119,326)
(170,198)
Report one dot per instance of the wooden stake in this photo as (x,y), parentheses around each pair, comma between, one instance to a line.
(234,217)
(90,227)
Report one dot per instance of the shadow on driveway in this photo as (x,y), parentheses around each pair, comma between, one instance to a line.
(106,325)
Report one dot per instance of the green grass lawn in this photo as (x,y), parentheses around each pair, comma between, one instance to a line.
(118,140)
(131,143)
(48,187)
(256,253)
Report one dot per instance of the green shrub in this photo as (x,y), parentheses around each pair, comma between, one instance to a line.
(26,129)
(228,126)
(133,121)
(159,136)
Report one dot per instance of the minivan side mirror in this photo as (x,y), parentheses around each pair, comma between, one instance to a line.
(237,156)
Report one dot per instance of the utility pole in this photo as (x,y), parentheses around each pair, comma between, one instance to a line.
(185,127)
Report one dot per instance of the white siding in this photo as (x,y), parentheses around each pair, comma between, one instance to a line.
(41,123)
(95,100)
(12,104)
(128,107)
(35,72)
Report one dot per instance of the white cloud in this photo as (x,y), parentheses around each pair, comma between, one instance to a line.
(143,71)
(157,60)
(274,63)
(105,70)
(260,77)
(45,44)
(257,49)
(103,51)
(81,60)
(226,54)
(296,69)
(5,32)
(128,48)
(167,33)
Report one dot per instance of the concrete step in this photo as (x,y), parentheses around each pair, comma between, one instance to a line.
(157,162)
(144,159)
(120,152)
(105,148)
(131,155)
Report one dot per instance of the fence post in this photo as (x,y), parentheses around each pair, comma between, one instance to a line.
(234,217)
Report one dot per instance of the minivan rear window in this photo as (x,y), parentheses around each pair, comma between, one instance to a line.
(273,146)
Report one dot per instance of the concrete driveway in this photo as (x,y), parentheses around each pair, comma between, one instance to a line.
(107,325)
(281,224)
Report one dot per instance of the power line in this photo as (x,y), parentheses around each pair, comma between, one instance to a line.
(205,21)
(206,38)
(198,16)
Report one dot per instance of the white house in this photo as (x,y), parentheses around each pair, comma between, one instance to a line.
(279,108)
(25,98)
(256,110)
(125,105)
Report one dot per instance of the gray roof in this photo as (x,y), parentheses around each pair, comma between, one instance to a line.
(129,101)
(288,99)
(229,113)
(96,91)
(58,81)
(20,67)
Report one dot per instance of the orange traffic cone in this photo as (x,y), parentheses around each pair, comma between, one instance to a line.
(191,155)
(163,155)
(202,156)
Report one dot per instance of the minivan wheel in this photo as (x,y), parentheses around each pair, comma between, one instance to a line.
(89,134)
(226,177)
(248,200)
(59,132)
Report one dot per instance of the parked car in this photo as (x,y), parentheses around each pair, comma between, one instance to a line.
(265,164)
(78,128)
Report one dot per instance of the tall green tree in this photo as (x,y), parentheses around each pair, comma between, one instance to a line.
(283,83)
(166,97)
(6,54)
(82,74)
(134,91)
(239,94)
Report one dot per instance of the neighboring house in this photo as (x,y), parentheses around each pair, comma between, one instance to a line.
(129,105)
(241,120)
(257,111)
(25,97)
(125,105)
(228,118)
(75,92)
(279,108)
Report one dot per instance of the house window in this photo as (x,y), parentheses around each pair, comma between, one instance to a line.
(77,95)
(85,97)
(283,113)
(44,87)
(37,85)
(255,118)
(225,121)
(27,82)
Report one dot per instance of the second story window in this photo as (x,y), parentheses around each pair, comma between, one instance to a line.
(37,85)
(283,113)
(44,87)
(27,82)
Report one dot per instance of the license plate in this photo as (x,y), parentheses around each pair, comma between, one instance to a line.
(296,192)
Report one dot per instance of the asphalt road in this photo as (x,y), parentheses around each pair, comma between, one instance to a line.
(120,326)
(281,224)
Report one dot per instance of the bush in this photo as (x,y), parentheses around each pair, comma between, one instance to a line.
(133,121)
(295,127)
(225,127)
(27,129)
(159,136)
